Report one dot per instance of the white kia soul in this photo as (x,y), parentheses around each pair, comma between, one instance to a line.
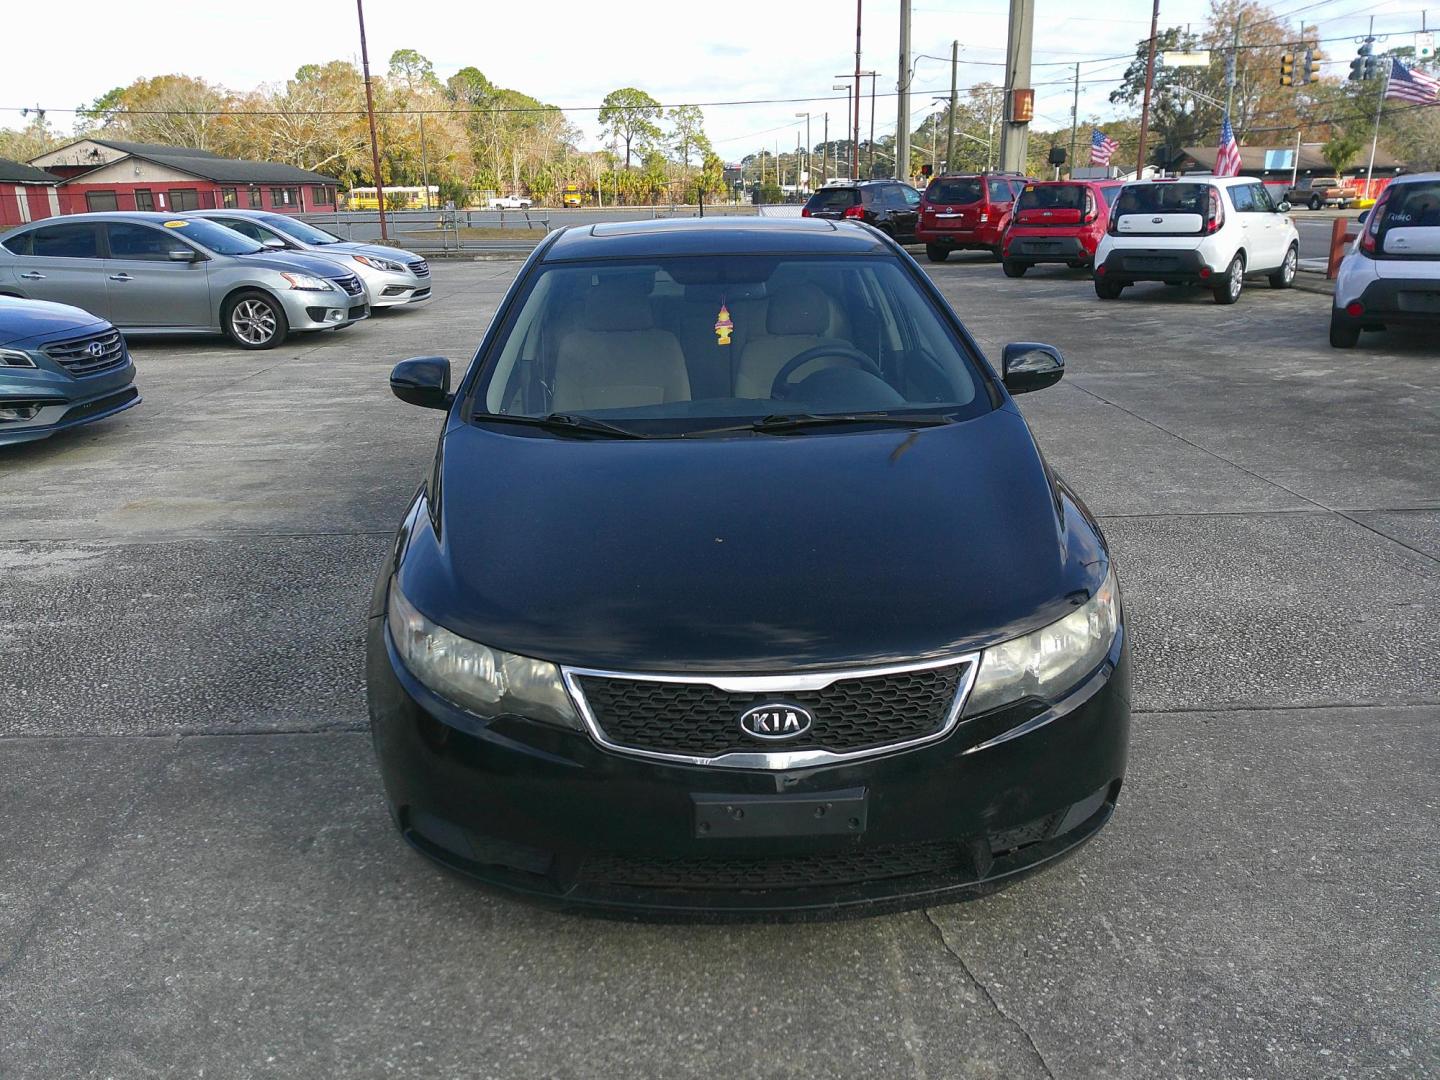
(1212,231)
(1392,273)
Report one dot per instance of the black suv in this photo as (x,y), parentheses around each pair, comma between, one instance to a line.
(892,207)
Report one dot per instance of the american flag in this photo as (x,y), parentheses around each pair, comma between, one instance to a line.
(1407,84)
(1101,147)
(1227,161)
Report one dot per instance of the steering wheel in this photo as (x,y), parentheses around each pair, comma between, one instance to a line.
(799,360)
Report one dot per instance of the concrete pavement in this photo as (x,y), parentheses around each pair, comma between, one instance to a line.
(198,876)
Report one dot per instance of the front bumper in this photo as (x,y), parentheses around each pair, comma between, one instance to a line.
(64,402)
(548,814)
(1039,248)
(306,310)
(385,289)
(1394,302)
(1174,267)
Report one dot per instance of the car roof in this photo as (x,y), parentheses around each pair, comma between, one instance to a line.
(111,215)
(1417,178)
(714,236)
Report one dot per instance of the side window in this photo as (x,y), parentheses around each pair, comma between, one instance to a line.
(66,242)
(19,245)
(1000,191)
(1263,202)
(1242,197)
(895,197)
(129,241)
(245,228)
(912,197)
(100,200)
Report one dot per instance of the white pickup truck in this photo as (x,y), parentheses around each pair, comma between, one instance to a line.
(510,202)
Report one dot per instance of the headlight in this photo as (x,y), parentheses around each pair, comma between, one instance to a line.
(15,358)
(474,676)
(1049,661)
(377,263)
(307,282)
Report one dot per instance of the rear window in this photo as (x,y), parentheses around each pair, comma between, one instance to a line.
(966,189)
(1164,199)
(833,199)
(1413,206)
(1060,197)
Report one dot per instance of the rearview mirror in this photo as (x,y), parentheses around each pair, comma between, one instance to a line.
(1027,366)
(183,255)
(1284,206)
(423,381)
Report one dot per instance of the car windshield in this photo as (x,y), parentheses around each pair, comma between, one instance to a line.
(213,236)
(833,199)
(1163,199)
(966,189)
(1052,197)
(300,230)
(677,346)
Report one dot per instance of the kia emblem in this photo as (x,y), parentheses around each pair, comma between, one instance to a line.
(775,721)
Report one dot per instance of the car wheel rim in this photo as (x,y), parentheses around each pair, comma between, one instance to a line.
(253,322)
(1289,271)
(1235,278)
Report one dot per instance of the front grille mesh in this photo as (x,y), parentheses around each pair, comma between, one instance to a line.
(698,719)
(420,268)
(350,283)
(777,871)
(89,355)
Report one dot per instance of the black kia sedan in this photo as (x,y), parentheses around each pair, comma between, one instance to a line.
(738,585)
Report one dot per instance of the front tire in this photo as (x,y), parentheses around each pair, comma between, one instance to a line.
(1230,287)
(936,253)
(1013,268)
(1284,277)
(1343,335)
(255,320)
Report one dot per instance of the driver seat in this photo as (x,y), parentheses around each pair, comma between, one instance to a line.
(796,320)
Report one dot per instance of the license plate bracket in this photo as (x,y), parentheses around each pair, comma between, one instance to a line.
(829,813)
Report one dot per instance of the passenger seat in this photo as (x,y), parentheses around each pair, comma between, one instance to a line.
(617,359)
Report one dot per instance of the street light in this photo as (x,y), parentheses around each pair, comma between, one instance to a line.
(808,185)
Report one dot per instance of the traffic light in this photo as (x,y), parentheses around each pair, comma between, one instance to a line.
(1363,66)
(1287,69)
(1372,67)
(927,169)
(1311,71)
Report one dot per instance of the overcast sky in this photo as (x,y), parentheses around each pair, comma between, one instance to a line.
(572,52)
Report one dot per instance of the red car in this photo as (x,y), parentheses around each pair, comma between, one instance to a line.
(1057,222)
(966,213)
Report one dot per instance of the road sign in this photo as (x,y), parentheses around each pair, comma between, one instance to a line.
(1184,59)
(1424,46)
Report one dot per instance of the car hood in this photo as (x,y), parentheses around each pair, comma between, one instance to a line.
(21,320)
(752,553)
(379,250)
(295,261)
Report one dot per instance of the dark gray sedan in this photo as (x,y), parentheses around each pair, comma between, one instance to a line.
(172,274)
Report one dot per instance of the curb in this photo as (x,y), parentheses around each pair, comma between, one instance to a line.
(1313,282)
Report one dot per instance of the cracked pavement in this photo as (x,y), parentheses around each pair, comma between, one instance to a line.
(198,877)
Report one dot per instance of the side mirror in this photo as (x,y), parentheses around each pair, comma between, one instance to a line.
(184,255)
(272,243)
(1284,206)
(423,381)
(1363,215)
(1027,366)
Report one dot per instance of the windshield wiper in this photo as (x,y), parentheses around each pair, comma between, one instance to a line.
(778,422)
(567,422)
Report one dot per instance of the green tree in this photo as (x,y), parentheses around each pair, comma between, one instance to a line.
(628,115)
(1341,149)
(412,69)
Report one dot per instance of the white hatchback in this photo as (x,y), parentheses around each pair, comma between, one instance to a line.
(1212,231)
(1392,273)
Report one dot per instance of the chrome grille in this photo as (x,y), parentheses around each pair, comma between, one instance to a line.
(350,283)
(863,712)
(89,355)
(420,268)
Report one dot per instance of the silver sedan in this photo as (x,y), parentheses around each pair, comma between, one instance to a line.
(393,277)
(176,274)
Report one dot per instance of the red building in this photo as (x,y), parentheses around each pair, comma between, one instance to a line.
(104,174)
(26,193)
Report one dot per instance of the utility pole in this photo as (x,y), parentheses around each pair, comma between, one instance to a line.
(370,112)
(870,160)
(824,152)
(424,162)
(1234,67)
(950,137)
(1017,77)
(856,166)
(1074,120)
(902,129)
(1379,108)
(1149,82)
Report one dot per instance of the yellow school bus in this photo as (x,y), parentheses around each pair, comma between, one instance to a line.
(572,195)
(396,198)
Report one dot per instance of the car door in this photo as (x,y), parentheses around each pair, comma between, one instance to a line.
(147,287)
(1252,227)
(62,263)
(1269,225)
(912,209)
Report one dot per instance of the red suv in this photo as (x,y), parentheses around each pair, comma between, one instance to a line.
(1057,222)
(966,213)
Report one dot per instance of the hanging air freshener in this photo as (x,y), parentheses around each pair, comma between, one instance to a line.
(724,325)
